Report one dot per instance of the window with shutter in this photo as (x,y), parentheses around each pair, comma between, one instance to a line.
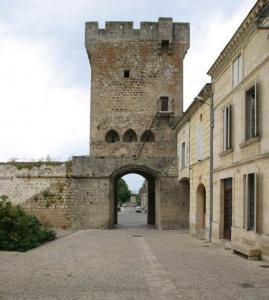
(237,70)
(199,142)
(227,128)
(251,119)
(251,201)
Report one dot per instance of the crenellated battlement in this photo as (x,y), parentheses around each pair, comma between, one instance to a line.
(164,29)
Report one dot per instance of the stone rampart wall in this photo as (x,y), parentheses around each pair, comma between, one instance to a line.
(42,189)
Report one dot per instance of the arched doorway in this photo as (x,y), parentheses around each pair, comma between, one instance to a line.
(201,207)
(150,176)
(184,194)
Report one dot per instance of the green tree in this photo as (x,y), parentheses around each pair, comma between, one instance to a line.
(123,194)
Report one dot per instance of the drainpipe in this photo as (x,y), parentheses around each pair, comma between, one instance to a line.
(211,163)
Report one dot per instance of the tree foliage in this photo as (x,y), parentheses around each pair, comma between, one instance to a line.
(123,193)
(20,231)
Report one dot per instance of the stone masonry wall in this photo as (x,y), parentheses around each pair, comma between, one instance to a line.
(42,189)
(93,190)
(91,205)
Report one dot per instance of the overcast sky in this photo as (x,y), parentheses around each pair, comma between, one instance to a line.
(45,74)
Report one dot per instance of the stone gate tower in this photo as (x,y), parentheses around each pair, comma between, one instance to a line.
(135,74)
(136,94)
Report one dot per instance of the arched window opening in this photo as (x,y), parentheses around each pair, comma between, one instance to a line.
(112,136)
(201,207)
(130,136)
(148,136)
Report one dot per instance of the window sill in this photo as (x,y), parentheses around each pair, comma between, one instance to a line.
(164,113)
(226,152)
(250,141)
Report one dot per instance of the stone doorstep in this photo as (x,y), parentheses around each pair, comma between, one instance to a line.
(250,252)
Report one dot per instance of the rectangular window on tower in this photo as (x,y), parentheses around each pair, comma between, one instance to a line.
(126,73)
(164,46)
(164,103)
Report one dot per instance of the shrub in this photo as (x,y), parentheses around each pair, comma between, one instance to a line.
(20,231)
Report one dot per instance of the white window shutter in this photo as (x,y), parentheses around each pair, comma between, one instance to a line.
(256,108)
(187,155)
(246,203)
(256,204)
(202,142)
(230,127)
(199,142)
(224,130)
(235,72)
(240,69)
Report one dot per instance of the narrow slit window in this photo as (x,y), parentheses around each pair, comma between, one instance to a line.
(126,73)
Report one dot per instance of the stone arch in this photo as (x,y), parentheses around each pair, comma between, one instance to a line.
(148,136)
(200,207)
(151,177)
(130,136)
(112,136)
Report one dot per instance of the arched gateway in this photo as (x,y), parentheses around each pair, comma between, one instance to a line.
(152,179)
(136,88)
(93,189)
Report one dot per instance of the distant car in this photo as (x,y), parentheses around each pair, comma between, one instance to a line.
(124,205)
(138,209)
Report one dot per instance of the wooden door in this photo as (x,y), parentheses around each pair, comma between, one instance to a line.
(228,193)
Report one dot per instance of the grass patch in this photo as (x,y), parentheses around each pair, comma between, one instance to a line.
(31,165)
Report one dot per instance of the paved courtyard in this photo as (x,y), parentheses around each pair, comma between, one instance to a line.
(130,263)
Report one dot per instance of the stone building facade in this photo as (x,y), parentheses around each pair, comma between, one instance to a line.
(193,137)
(143,193)
(233,188)
(240,85)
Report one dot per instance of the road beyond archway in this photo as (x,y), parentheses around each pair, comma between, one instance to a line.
(129,218)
